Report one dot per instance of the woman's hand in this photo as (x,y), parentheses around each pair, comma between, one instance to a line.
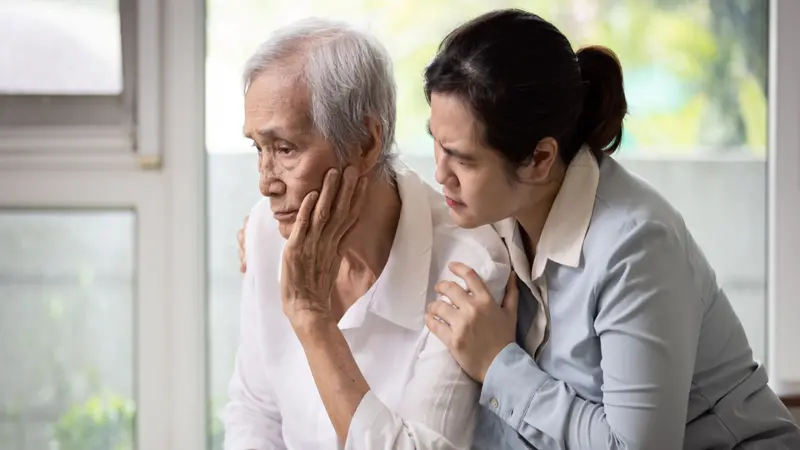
(240,239)
(475,328)
(311,256)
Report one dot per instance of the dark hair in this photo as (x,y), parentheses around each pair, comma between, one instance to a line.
(524,82)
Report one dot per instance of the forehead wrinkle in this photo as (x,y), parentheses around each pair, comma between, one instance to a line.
(284,99)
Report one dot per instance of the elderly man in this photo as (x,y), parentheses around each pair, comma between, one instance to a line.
(342,258)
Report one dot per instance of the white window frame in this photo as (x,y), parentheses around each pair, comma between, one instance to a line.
(783,324)
(94,130)
(78,166)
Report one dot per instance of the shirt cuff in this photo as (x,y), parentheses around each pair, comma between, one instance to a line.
(510,383)
(371,423)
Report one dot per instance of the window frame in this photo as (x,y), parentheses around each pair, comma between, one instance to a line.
(783,307)
(95,131)
(156,169)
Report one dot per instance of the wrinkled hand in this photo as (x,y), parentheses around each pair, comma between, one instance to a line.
(474,328)
(311,256)
(240,239)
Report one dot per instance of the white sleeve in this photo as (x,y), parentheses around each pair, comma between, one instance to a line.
(440,404)
(438,410)
(251,417)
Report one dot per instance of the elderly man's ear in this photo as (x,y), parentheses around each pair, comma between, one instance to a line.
(371,148)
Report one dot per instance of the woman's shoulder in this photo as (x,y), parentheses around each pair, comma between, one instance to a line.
(631,218)
(624,193)
(626,202)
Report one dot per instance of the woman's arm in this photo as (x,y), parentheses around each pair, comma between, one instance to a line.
(648,321)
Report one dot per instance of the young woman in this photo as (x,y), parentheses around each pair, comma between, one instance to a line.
(621,337)
(627,341)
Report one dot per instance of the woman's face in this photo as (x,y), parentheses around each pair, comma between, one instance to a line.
(474,178)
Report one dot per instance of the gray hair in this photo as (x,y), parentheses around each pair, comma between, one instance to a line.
(349,77)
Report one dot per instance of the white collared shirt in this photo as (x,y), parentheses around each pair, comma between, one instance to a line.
(419,397)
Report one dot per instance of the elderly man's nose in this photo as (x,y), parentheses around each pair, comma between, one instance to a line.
(273,188)
(266,163)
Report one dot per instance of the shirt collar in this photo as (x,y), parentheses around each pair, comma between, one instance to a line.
(400,293)
(509,232)
(566,225)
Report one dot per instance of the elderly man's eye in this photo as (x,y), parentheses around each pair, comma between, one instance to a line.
(256,146)
(285,150)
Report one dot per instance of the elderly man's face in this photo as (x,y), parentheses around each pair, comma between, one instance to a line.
(292,156)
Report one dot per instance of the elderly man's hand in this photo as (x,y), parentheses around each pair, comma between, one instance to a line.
(311,257)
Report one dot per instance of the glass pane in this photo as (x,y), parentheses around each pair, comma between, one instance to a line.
(232,191)
(695,76)
(60,47)
(66,318)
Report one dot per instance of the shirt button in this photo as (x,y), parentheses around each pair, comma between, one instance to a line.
(495,404)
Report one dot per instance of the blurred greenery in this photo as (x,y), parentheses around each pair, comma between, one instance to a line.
(61,395)
(695,70)
(216,432)
(107,422)
(103,422)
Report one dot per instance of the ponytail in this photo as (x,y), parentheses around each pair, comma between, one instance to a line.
(604,105)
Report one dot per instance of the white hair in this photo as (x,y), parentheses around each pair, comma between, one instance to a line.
(349,77)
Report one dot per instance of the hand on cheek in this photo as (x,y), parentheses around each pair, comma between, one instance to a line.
(311,259)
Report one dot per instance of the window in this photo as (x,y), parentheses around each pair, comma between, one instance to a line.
(66,64)
(61,48)
(784,199)
(696,75)
(101,248)
(66,307)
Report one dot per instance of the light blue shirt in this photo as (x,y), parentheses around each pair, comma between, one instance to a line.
(636,345)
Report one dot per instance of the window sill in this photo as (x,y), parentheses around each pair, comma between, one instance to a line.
(791,401)
(789,393)
(33,140)
(73,148)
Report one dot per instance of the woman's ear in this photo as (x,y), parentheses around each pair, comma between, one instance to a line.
(539,166)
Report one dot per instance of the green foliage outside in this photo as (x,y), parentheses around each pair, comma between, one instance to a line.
(107,422)
(104,422)
(696,70)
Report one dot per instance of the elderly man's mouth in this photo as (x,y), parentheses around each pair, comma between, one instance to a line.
(287,216)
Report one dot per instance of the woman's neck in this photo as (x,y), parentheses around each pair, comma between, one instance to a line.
(532,217)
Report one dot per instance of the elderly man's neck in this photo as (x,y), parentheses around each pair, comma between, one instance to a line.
(366,248)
